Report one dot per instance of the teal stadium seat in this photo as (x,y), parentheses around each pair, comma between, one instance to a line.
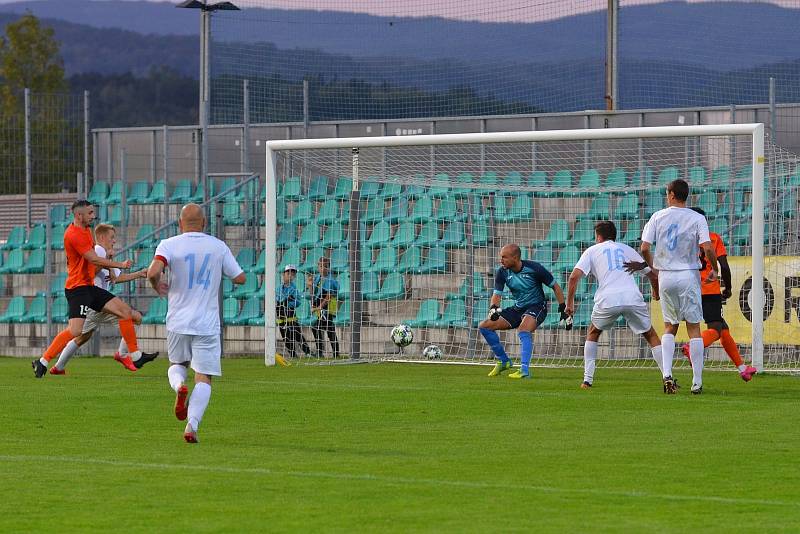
(334,235)
(627,207)
(404,235)
(302,213)
(287,235)
(14,311)
(157,312)
(478,287)
(435,263)
(340,259)
(182,192)
(344,186)
(589,182)
(57,284)
(454,316)
(37,238)
(251,309)
(246,258)
(398,210)
(14,262)
(60,214)
(34,264)
(37,312)
(370,188)
(16,238)
(427,314)
(143,238)
(292,256)
(60,310)
(309,237)
(373,210)
(392,190)
(343,315)
(392,288)
(292,189)
(57,237)
(584,233)
(380,235)
(248,289)
(230,310)
(114,195)
(331,212)
(447,210)
(617,179)
(600,210)
(386,260)
(558,235)
(411,260)
(422,210)
(98,193)
(318,190)
(667,175)
(453,236)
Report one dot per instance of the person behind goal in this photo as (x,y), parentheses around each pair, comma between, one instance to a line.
(105,237)
(617,295)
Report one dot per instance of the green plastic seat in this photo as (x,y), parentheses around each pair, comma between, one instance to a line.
(567,258)
(343,188)
(380,235)
(333,236)
(453,236)
(561,185)
(627,207)
(182,192)
(633,233)
(521,209)
(742,233)
(558,235)
(398,210)
(392,190)
(292,189)
(411,260)
(59,214)
(373,211)
(143,238)
(287,235)
(435,262)
(158,194)
(313,256)
(386,261)
(303,212)
(57,237)
(248,289)
(428,234)
(538,179)
(480,309)
(344,285)
(318,190)
(513,179)
(404,235)
(392,288)
(143,259)
(292,256)
(617,178)
(251,309)
(14,311)
(642,177)
(115,215)
(789,204)
(370,285)
(441,186)
(447,210)
(16,238)
(721,179)
(415,191)
(14,262)
(36,239)
(427,314)
(697,177)
(590,182)
(57,284)
(157,312)
(343,315)
(227,287)
(422,210)
(370,188)
(490,179)
(719,225)
(667,175)
(478,287)
(654,201)
(480,233)
(543,254)
(303,313)
(600,210)
(583,316)
(60,310)
(340,259)
(199,191)
(709,203)
(34,264)
(454,315)
(138,193)
(37,311)
(584,233)
(476,207)
(330,212)
(230,310)
(309,237)
(114,195)
(98,193)
(464,181)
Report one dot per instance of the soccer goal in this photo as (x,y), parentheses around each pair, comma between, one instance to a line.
(412,226)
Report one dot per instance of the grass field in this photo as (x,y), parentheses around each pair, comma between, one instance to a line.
(397,448)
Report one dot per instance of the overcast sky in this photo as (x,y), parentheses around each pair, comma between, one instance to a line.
(488,10)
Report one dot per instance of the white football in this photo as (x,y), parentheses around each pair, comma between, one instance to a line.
(432,352)
(402,335)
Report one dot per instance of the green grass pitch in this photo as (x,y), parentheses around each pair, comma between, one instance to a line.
(397,448)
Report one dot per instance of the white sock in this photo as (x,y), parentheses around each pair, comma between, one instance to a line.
(134,355)
(44,362)
(589,360)
(177,376)
(741,368)
(667,353)
(123,347)
(656,352)
(696,354)
(198,403)
(69,350)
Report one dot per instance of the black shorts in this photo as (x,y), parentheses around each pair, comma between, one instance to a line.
(515,314)
(81,298)
(712,308)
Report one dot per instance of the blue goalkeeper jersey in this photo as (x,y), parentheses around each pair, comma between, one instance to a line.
(525,285)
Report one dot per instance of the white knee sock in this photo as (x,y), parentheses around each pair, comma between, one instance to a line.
(198,403)
(177,376)
(123,347)
(656,352)
(589,360)
(66,354)
(667,353)
(696,354)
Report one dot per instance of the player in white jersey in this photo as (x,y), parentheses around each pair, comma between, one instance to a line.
(196,263)
(677,232)
(105,239)
(617,295)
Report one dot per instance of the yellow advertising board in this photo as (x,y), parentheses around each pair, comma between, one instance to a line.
(782,294)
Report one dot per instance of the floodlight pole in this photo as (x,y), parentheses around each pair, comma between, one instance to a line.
(205,37)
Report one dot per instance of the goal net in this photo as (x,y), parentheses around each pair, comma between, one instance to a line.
(413,225)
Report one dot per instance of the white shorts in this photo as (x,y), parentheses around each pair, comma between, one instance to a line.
(637,316)
(680,296)
(203,352)
(95,319)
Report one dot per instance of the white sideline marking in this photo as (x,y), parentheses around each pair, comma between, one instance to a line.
(399,480)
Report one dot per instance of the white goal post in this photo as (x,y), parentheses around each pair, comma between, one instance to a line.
(353,146)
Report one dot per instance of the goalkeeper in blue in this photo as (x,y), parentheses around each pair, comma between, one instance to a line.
(524,279)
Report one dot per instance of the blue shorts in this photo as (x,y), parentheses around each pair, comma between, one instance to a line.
(514,314)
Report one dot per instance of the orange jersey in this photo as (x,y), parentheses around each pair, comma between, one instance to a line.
(711,288)
(76,242)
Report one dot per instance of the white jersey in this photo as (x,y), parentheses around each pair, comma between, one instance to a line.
(677,234)
(102,278)
(605,261)
(196,264)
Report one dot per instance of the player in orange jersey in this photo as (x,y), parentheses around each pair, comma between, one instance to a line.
(82,295)
(713,297)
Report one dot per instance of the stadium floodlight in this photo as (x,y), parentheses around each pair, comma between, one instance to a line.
(413,225)
(205,6)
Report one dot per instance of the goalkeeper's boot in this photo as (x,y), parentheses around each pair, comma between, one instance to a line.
(189,434)
(586,385)
(126,362)
(669,386)
(519,374)
(499,367)
(56,371)
(145,358)
(39,369)
(180,403)
(697,389)
(747,374)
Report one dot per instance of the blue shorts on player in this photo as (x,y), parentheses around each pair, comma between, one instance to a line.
(514,314)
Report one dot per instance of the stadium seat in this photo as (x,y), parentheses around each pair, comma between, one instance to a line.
(248,289)
(318,190)
(115,215)
(654,200)
(138,193)
(369,285)
(489,178)
(331,212)
(98,193)
(710,204)
(480,232)
(16,238)
(627,207)
(789,204)
(373,210)
(436,261)
(441,186)
(143,238)
(292,189)
(642,177)
(600,210)
(144,258)
(370,188)
(309,237)
(385,262)
(344,186)
(37,238)
(37,311)
(182,192)
(584,233)
(617,179)
(287,235)
(398,210)
(114,195)
(480,310)
(303,313)
(199,191)
(427,314)
(742,233)
(230,310)
(590,181)
(303,212)
(14,311)
(697,177)
(334,235)
(422,210)
(558,235)
(343,315)
(392,288)
(57,237)
(246,258)
(428,234)
(520,209)
(404,235)
(59,214)
(13,263)
(227,286)
(560,186)
(720,179)
(567,259)
(34,264)
(415,191)
(453,236)
(157,312)
(251,309)
(633,233)
(543,253)
(232,212)
(60,310)
(583,315)
(57,284)
(478,287)
(290,257)
(477,211)
(381,234)
(667,175)
(392,190)
(537,179)
(462,188)
(340,259)
(455,315)
(411,260)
